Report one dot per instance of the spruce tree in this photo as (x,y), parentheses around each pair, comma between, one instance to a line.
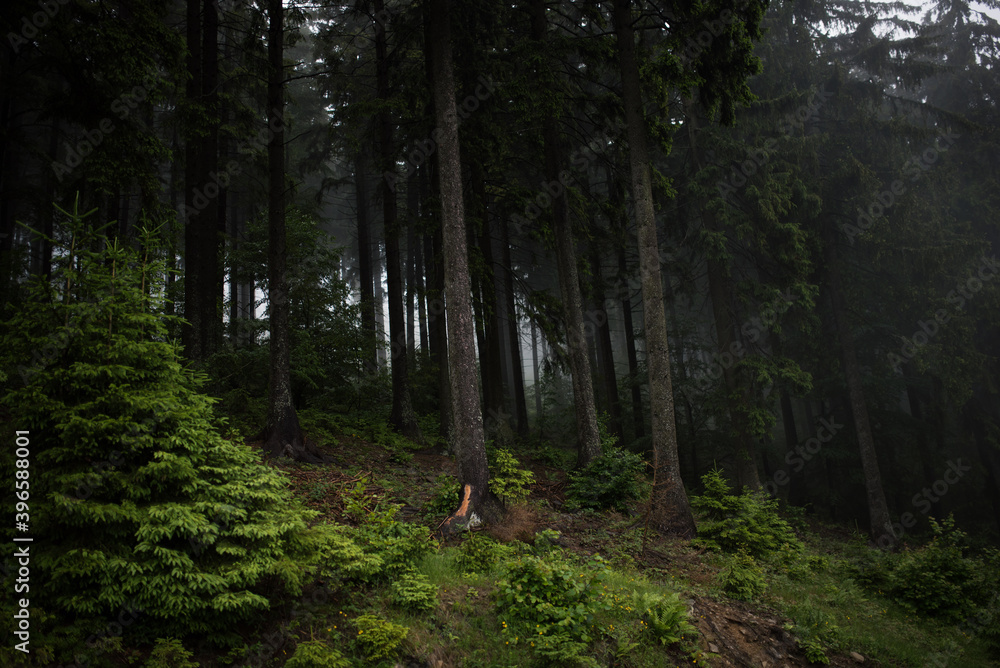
(137,501)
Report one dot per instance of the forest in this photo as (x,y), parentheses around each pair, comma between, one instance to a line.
(428,333)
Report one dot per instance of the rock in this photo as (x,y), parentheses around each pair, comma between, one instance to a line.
(857,657)
(713,648)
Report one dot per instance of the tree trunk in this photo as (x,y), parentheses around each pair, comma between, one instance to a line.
(412,253)
(880,529)
(282,435)
(490,351)
(537,376)
(670,512)
(209,274)
(477,502)
(588,440)
(618,203)
(365,265)
(720,289)
(402,417)
(193,231)
(513,336)
(605,353)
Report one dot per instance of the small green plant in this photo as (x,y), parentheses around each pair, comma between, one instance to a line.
(379,638)
(555,602)
(664,616)
(170,653)
(445,498)
(743,579)
(815,630)
(480,554)
(814,651)
(936,579)
(748,521)
(610,481)
(316,654)
(508,480)
(414,592)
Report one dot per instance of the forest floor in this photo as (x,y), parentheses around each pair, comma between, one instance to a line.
(863,629)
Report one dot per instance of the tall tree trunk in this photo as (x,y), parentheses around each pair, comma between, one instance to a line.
(513,336)
(880,529)
(402,417)
(282,435)
(478,503)
(194,243)
(618,203)
(490,351)
(380,328)
(439,336)
(670,512)
(791,440)
(412,255)
(588,440)
(720,289)
(209,274)
(421,292)
(605,353)
(537,375)
(365,264)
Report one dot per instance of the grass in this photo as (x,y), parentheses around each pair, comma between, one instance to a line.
(813,597)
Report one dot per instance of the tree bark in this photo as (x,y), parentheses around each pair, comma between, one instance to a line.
(720,289)
(193,229)
(880,529)
(588,440)
(282,435)
(513,336)
(605,352)
(477,502)
(670,511)
(365,265)
(402,417)
(617,197)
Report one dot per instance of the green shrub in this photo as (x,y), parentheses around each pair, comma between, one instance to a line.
(936,579)
(507,479)
(153,508)
(379,638)
(445,498)
(414,592)
(170,653)
(480,554)
(743,579)
(664,616)
(316,654)
(748,521)
(610,481)
(374,551)
(815,630)
(554,598)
